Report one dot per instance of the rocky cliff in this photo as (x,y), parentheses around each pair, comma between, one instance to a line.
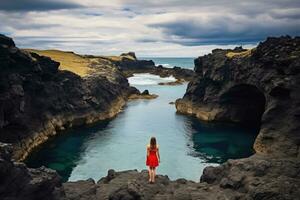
(37,100)
(254,87)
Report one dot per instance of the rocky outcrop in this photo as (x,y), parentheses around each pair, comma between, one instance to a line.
(129,64)
(256,177)
(258,86)
(253,87)
(128,61)
(37,100)
(134,185)
(21,183)
(144,95)
(129,54)
(178,72)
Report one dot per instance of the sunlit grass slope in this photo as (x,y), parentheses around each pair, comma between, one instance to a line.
(239,54)
(68,60)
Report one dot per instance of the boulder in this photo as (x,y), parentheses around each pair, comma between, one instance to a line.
(145,92)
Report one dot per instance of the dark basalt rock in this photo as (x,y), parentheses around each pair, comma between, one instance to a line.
(254,87)
(258,86)
(33,91)
(6,41)
(256,177)
(37,100)
(131,54)
(133,63)
(251,178)
(21,183)
(178,72)
(145,92)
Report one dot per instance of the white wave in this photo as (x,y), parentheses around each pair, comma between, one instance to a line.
(148,79)
(165,65)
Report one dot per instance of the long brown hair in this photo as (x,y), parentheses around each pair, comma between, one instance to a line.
(153,143)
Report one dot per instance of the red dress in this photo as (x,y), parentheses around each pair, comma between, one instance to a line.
(152,160)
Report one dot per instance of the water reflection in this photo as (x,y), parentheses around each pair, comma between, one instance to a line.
(218,142)
(62,153)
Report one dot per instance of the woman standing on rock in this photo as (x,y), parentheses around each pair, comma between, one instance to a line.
(153,158)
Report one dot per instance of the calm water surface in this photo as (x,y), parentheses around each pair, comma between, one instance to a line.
(186,144)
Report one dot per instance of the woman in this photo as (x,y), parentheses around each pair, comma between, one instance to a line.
(153,158)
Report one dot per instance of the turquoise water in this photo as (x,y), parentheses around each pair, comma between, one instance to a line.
(171,62)
(186,144)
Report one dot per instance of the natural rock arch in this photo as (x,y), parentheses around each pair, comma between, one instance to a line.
(244,103)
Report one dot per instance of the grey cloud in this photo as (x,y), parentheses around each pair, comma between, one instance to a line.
(196,34)
(36,5)
(146,40)
(286,14)
(230,22)
(247,7)
(219,22)
(228,29)
(57,42)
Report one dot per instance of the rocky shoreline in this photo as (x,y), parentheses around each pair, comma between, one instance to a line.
(256,177)
(244,86)
(38,100)
(84,80)
(62,122)
(229,181)
(253,87)
(258,86)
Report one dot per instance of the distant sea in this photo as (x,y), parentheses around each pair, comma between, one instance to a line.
(171,62)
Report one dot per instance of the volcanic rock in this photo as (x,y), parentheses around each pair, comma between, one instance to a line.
(257,87)
(37,99)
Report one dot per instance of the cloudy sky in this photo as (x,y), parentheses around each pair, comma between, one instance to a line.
(177,28)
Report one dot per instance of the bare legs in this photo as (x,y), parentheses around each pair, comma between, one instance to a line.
(152,174)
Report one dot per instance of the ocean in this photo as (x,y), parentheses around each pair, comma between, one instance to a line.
(171,62)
